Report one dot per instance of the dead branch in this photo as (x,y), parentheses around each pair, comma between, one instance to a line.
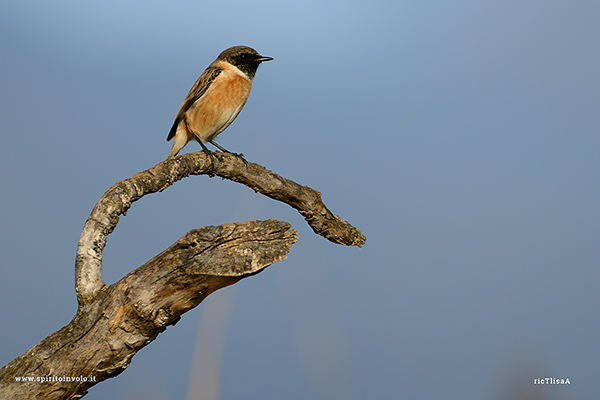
(114,322)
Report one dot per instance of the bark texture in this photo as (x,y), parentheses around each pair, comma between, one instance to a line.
(114,322)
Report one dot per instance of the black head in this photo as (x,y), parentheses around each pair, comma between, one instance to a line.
(245,58)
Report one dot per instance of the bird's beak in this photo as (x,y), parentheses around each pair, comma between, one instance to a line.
(263,59)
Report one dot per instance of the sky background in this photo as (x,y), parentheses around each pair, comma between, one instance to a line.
(463,138)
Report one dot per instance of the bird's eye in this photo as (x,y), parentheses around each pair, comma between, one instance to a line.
(243,56)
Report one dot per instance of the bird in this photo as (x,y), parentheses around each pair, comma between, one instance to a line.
(216,99)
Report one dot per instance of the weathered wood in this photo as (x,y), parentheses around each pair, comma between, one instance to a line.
(117,200)
(114,322)
(106,333)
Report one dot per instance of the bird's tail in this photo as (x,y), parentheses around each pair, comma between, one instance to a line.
(180,139)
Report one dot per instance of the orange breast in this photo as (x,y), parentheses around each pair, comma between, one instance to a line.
(219,106)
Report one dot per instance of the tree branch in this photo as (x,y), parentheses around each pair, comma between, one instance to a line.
(105,334)
(114,322)
(117,200)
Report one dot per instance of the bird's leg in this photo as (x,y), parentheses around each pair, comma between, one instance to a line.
(207,152)
(224,150)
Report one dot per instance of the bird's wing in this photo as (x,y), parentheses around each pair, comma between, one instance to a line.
(197,91)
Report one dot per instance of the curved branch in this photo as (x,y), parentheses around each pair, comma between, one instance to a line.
(117,200)
(114,322)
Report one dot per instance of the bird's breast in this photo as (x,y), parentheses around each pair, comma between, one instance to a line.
(219,106)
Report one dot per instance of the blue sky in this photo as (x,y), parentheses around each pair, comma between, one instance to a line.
(461,137)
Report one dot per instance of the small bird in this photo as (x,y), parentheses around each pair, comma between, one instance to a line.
(216,98)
